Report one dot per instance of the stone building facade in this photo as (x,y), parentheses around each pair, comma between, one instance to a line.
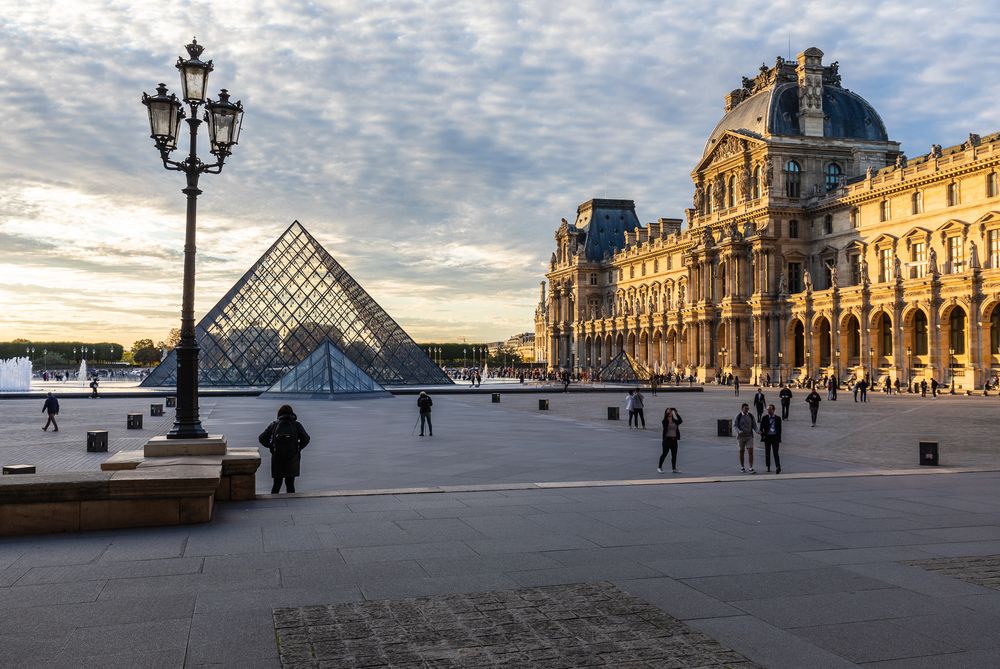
(813,246)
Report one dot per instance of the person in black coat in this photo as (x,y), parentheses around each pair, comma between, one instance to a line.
(770,434)
(671,435)
(51,407)
(813,399)
(759,403)
(786,400)
(424,403)
(284,438)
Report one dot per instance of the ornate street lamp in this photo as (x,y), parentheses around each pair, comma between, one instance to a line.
(224,120)
(837,373)
(951,368)
(809,374)
(780,356)
(871,363)
(909,367)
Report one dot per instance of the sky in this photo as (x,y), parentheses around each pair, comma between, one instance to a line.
(431,147)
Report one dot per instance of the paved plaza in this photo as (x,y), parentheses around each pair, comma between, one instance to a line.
(853,556)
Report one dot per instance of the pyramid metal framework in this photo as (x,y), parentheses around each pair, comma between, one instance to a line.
(623,369)
(327,372)
(295,297)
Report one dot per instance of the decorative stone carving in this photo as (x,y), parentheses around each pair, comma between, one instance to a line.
(897,268)
(932,267)
(832,266)
(699,195)
(746,184)
(719,192)
(807,281)
(900,161)
(782,284)
(869,172)
(863,271)
(729,146)
(973,256)
(936,151)
(768,173)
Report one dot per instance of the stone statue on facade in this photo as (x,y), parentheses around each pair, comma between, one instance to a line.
(863,271)
(718,192)
(680,295)
(900,161)
(973,256)
(832,266)
(869,173)
(807,281)
(936,151)
(699,195)
(768,173)
(782,284)
(746,185)
(932,267)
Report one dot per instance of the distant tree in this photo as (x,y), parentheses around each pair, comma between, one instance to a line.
(144,352)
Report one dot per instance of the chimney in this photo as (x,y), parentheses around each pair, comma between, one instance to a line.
(810,74)
(541,296)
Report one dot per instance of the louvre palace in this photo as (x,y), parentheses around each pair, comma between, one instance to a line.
(814,246)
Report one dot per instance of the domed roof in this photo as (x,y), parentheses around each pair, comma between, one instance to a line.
(775,111)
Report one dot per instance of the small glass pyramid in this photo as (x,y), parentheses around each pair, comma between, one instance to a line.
(327,372)
(623,369)
(295,297)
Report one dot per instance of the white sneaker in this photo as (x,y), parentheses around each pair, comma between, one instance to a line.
(659,470)
(743,469)
(752,471)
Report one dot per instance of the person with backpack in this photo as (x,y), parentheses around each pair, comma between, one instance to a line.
(786,400)
(637,407)
(284,438)
(813,399)
(424,403)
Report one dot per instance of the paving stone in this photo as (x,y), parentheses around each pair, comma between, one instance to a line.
(769,646)
(874,640)
(777,584)
(575,625)
(978,570)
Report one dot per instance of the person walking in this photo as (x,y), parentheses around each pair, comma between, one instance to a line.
(934,387)
(565,380)
(284,438)
(857,388)
(51,407)
(736,385)
(671,435)
(424,404)
(813,399)
(785,396)
(93,388)
(744,426)
(864,390)
(652,385)
(759,403)
(923,388)
(770,434)
(637,406)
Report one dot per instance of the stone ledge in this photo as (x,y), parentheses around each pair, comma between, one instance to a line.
(213,444)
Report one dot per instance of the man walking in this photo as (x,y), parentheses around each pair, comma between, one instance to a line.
(934,387)
(923,388)
(759,403)
(786,400)
(93,388)
(857,388)
(770,434)
(424,403)
(51,407)
(813,399)
(744,426)
(736,385)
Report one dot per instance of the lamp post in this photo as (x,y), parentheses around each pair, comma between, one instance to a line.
(224,120)
(809,368)
(871,363)
(909,367)
(780,356)
(722,353)
(837,372)
(951,368)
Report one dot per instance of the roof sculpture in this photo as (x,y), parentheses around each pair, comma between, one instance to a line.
(295,297)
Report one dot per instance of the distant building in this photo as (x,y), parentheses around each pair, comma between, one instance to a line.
(813,247)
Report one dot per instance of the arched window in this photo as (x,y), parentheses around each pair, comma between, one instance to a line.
(799,344)
(885,330)
(824,343)
(854,338)
(995,331)
(731,192)
(833,174)
(793,179)
(917,203)
(952,194)
(755,185)
(708,199)
(957,335)
(920,333)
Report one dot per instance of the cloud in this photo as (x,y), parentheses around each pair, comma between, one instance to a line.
(431,146)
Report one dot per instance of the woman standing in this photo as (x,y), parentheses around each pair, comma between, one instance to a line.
(671,434)
(284,438)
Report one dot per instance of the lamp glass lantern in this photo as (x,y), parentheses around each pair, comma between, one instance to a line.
(225,120)
(165,116)
(194,74)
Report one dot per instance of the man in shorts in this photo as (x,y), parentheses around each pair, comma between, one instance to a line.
(744,426)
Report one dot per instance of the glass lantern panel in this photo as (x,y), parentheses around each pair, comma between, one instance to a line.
(195,82)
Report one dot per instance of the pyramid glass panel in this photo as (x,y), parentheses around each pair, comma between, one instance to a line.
(624,369)
(293,299)
(326,372)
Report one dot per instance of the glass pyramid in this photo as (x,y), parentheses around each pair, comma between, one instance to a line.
(623,369)
(327,372)
(294,298)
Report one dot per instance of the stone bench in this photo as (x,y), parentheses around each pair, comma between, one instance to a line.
(238,468)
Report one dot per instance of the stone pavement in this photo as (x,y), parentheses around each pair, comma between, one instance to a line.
(786,572)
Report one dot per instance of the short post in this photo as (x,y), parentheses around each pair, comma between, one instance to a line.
(543,405)
(929,453)
(155,409)
(18,469)
(171,402)
(496,398)
(133,421)
(725,427)
(613,413)
(97,441)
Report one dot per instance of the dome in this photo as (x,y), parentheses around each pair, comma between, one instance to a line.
(775,111)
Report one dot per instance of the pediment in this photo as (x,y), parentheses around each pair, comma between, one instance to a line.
(885,239)
(732,143)
(989,217)
(952,225)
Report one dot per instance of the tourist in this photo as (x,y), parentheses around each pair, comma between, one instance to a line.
(93,388)
(671,434)
(51,407)
(284,438)
(565,380)
(759,403)
(652,385)
(736,385)
(770,434)
(630,408)
(934,387)
(786,400)
(813,399)
(864,389)
(744,425)
(857,389)
(637,406)
(923,388)
(424,404)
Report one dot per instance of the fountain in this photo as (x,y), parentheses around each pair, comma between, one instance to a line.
(82,374)
(15,374)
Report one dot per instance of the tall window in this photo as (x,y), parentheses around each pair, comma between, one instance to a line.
(886,335)
(993,247)
(793,179)
(855,261)
(995,331)
(794,277)
(656,265)
(855,218)
(920,333)
(854,338)
(708,199)
(611,277)
(992,188)
(793,229)
(883,210)
(957,339)
(832,175)
(593,279)
(952,194)
(828,224)
(731,195)
(918,254)
(917,203)
(956,255)
(885,265)
(755,185)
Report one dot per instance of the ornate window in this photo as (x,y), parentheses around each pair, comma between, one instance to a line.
(631,271)
(885,265)
(793,179)
(952,194)
(920,333)
(832,176)
(883,210)
(731,192)
(793,229)
(855,262)
(917,203)
(656,265)
(957,335)
(993,248)
(855,218)
(795,277)
(992,188)
(828,224)
(708,199)
(956,255)
(755,184)
(918,254)
(593,279)
(621,273)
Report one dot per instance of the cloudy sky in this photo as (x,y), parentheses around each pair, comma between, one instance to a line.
(432,147)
